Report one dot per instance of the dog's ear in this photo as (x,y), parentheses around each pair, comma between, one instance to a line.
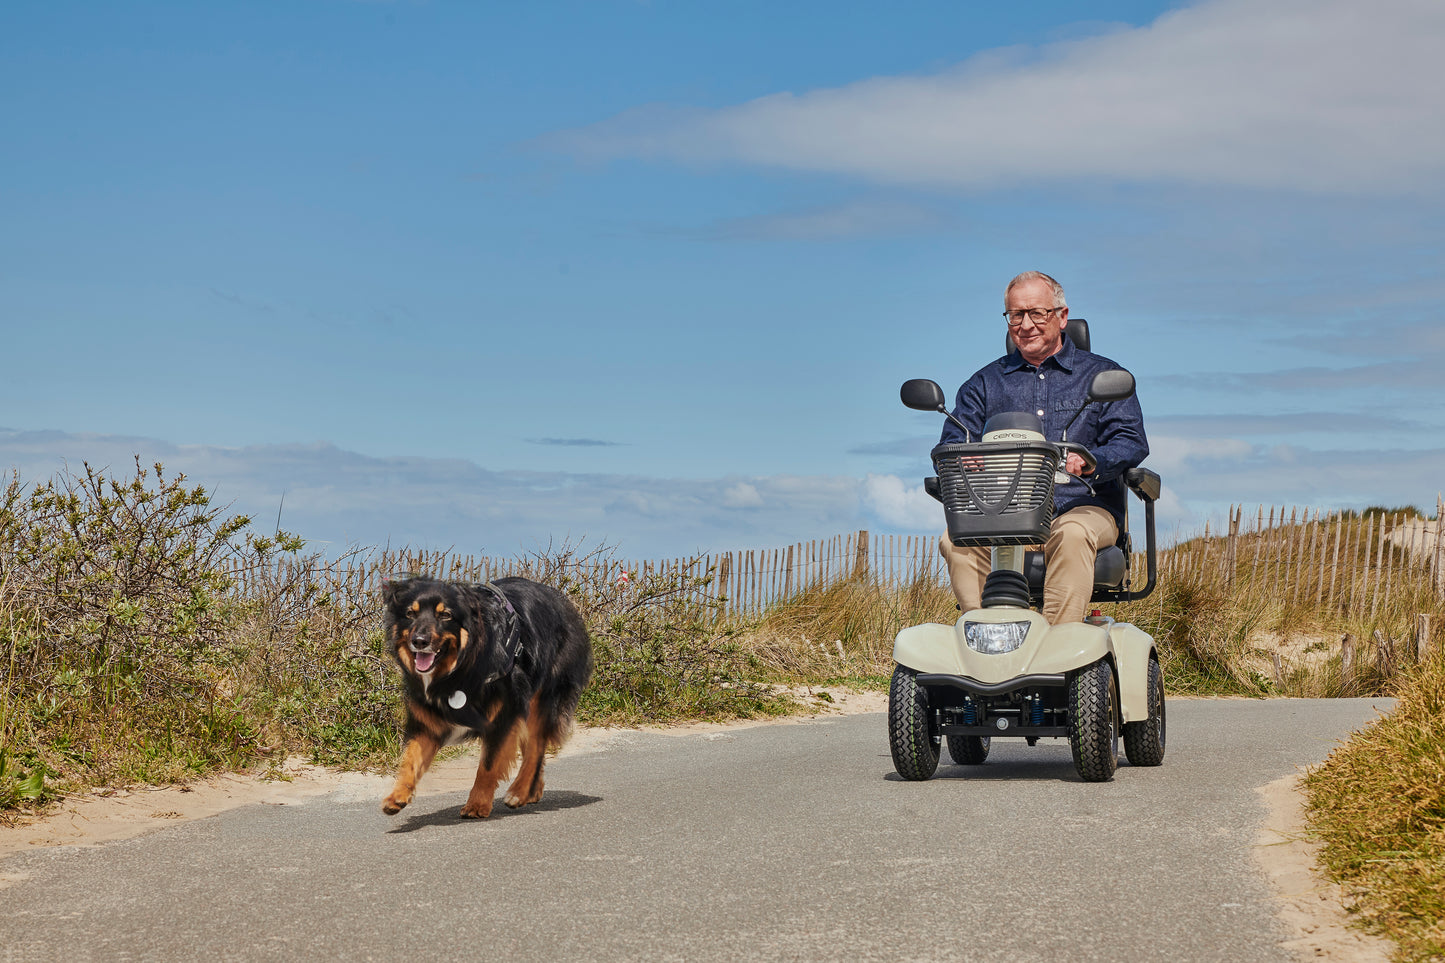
(388,593)
(473,614)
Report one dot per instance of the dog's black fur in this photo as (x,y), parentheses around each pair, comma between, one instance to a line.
(520,671)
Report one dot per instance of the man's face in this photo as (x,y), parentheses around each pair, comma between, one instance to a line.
(1036,340)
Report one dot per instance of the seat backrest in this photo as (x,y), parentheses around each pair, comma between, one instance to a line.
(1077,329)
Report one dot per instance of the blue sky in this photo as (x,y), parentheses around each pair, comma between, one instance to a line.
(489,275)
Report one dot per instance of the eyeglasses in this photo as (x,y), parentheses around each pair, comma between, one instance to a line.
(1016,318)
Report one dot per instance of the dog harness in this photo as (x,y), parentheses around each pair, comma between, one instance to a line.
(511,632)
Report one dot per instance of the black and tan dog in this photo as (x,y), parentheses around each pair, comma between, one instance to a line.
(503,662)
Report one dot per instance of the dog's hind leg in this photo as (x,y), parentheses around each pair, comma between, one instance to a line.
(420,750)
(527,787)
(496,761)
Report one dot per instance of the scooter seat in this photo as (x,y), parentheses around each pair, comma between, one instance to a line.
(1108,569)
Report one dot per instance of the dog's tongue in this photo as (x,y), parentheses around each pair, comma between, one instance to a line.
(424,660)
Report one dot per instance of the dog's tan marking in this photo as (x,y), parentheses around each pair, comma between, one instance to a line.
(415,760)
(442,609)
(479,800)
(462,637)
(527,787)
(415,607)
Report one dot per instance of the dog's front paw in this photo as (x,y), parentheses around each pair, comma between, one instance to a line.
(477,810)
(392,804)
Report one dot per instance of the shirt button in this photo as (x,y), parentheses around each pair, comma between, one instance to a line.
(1041,412)
(1041,376)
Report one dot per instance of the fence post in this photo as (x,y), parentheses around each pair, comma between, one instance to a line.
(860,559)
(724,582)
(1347,663)
(1384,654)
(1439,543)
(1422,637)
(1231,553)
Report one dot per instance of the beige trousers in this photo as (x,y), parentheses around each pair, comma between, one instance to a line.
(1074,540)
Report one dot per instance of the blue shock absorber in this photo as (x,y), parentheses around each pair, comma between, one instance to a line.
(970,714)
(1036,711)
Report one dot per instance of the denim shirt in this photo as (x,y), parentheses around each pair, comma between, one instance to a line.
(1113,431)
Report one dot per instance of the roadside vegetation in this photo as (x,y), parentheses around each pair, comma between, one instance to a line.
(147,636)
(1378,806)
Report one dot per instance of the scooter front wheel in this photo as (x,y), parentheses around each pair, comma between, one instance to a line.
(1093,721)
(1144,740)
(912,735)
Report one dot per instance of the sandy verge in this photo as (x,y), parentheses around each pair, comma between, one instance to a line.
(1310,905)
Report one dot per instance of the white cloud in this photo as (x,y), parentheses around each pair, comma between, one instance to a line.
(741,495)
(901,505)
(1315,95)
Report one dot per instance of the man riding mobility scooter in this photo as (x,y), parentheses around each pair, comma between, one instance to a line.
(1002,670)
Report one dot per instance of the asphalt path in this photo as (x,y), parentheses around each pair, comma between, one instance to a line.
(779,842)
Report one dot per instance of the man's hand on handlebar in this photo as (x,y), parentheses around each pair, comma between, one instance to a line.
(1074,465)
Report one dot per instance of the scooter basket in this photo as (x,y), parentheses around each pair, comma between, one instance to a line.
(997,493)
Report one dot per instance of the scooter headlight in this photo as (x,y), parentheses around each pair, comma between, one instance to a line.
(995,638)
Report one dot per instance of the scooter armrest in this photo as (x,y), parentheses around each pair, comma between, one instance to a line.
(930,485)
(1143,483)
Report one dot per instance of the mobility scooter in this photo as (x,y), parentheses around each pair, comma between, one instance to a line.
(1002,670)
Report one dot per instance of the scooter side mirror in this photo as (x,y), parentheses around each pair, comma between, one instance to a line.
(922,394)
(1115,385)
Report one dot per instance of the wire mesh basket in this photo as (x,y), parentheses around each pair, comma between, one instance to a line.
(997,493)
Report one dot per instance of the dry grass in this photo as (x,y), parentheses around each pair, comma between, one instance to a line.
(1378,805)
(843,631)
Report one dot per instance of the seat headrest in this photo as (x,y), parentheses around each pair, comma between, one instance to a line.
(1077,329)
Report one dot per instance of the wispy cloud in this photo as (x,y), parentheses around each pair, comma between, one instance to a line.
(917,446)
(1394,375)
(575,442)
(1332,423)
(1313,95)
(857,218)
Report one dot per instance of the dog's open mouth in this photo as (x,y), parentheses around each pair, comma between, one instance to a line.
(423,660)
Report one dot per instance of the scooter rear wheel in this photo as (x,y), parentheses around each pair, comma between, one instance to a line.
(912,736)
(968,750)
(1093,721)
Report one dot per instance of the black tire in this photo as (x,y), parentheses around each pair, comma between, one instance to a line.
(1144,741)
(1093,722)
(912,736)
(968,750)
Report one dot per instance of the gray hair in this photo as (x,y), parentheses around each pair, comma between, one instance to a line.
(1055,286)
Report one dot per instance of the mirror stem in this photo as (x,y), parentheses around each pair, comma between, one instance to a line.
(967,435)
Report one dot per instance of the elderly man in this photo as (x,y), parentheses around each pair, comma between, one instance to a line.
(1049,375)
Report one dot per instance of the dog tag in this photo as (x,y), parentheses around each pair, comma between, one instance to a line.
(457,699)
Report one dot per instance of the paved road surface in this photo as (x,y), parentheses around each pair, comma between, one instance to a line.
(784,842)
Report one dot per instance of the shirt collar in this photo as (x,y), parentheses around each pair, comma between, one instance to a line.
(1066,357)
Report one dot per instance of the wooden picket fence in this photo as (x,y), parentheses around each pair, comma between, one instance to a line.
(1359,565)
